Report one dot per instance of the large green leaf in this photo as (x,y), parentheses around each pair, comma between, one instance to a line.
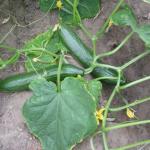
(48,40)
(61,119)
(86,8)
(144,33)
(125,17)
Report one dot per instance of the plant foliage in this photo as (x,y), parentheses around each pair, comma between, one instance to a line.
(62,119)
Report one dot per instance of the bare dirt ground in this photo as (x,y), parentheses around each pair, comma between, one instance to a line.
(14,134)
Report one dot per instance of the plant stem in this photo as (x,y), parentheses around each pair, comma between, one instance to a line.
(110,100)
(132,145)
(103,28)
(134,60)
(105,66)
(75,4)
(116,49)
(105,141)
(67,11)
(76,15)
(134,83)
(94,39)
(59,73)
(104,78)
(32,66)
(8,48)
(45,62)
(130,105)
(7,34)
(85,30)
(107,109)
(92,144)
(43,50)
(89,70)
(10,61)
(98,132)
(13,58)
(69,2)
(124,125)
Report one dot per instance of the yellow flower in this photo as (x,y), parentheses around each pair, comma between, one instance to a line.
(99,115)
(130,113)
(59,4)
(109,25)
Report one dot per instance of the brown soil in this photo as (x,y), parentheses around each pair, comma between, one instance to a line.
(14,134)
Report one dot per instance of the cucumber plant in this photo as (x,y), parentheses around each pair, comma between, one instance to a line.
(64,108)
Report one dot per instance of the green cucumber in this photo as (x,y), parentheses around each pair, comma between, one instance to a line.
(84,54)
(20,82)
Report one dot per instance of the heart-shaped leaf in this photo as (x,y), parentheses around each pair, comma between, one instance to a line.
(61,119)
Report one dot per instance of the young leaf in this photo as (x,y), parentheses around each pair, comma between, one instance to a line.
(124,17)
(60,119)
(49,41)
(144,33)
(13,59)
(38,61)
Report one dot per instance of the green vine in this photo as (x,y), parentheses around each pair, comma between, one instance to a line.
(85,86)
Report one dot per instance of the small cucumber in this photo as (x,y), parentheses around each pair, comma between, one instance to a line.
(84,54)
(20,82)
